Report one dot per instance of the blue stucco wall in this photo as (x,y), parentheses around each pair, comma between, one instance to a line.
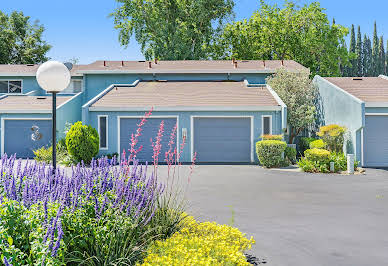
(184,122)
(70,112)
(19,116)
(336,106)
(376,110)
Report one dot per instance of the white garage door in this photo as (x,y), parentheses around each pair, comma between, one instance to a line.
(376,141)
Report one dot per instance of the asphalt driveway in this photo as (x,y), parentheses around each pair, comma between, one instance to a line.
(298,218)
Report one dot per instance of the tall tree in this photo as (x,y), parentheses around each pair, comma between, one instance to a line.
(359,60)
(375,52)
(303,34)
(21,40)
(367,57)
(352,49)
(172,29)
(381,60)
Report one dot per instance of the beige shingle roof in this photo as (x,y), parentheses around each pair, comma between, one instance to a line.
(367,89)
(187,94)
(35,103)
(165,66)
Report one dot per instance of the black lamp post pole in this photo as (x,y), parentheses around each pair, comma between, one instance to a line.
(54,131)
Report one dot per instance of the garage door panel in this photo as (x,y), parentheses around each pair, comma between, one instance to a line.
(128,126)
(376,141)
(18,136)
(222,139)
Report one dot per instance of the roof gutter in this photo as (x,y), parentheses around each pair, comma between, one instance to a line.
(187,108)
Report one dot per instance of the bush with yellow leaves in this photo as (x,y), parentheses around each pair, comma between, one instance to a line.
(333,135)
(204,243)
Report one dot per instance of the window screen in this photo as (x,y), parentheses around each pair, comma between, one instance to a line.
(266,125)
(15,87)
(103,133)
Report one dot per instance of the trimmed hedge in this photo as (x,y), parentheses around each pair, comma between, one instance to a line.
(272,137)
(271,152)
(82,142)
(304,144)
(317,155)
(318,144)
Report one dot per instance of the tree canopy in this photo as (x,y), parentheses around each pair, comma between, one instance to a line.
(21,40)
(303,34)
(172,29)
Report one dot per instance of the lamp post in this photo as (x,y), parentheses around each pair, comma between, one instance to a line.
(53,77)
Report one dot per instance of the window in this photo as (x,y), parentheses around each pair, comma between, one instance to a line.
(102,131)
(10,86)
(75,86)
(266,124)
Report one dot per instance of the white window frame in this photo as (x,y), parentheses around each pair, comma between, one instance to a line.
(106,133)
(13,93)
(270,124)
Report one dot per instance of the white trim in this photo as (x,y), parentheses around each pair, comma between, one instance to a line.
(376,113)
(220,116)
(25,111)
(151,117)
(362,147)
(21,84)
(106,133)
(376,104)
(188,108)
(2,129)
(270,124)
(276,96)
(383,77)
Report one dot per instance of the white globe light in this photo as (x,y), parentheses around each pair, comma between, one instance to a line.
(53,76)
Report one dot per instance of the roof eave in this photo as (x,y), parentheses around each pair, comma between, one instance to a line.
(186,108)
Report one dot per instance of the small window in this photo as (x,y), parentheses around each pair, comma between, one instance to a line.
(102,130)
(267,125)
(75,86)
(10,86)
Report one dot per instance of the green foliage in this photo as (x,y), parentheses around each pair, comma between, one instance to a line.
(172,29)
(340,161)
(333,135)
(82,142)
(270,152)
(290,154)
(303,34)
(272,137)
(317,155)
(298,93)
(318,144)
(44,154)
(304,144)
(20,40)
(313,166)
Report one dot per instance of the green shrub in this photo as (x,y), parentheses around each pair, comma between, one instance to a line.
(333,135)
(270,152)
(44,154)
(272,137)
(313,166)
(318,144)
(304,144)
(82,142)
(340,161)
(290,154)
(317,155)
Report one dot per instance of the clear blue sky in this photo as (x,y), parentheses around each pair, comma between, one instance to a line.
(82,28)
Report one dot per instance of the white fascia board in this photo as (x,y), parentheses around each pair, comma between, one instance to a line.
(376,104)
(189,108)
(25,112)
(180,71)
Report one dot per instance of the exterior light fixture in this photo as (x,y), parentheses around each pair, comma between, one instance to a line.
(53,77)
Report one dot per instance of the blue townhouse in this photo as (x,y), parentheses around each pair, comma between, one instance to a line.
(220,108)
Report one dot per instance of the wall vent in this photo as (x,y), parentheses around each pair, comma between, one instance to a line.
(357,78)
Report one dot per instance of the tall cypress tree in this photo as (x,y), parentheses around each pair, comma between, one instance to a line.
(381,68)
(367,56)
(359,52)
(375,52)
(352,49)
